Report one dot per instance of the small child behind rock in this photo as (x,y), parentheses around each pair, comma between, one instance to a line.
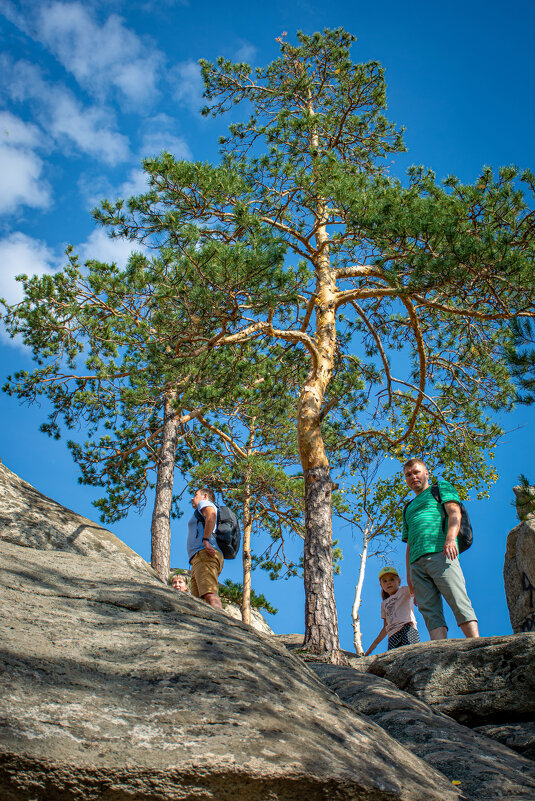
(397,611)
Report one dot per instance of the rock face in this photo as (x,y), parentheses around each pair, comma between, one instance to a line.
(258,622)
(476,682)
(519,565)
(485,769)
(116,687)
(518,736)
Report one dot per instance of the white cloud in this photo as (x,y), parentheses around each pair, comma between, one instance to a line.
(160,136)
(101,57)
(86,128)
(137,184)
(188,85)
(20,254)
(246,52)
(21,183)
(100,247)
(62,115)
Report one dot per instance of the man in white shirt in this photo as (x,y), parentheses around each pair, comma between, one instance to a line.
(204,555)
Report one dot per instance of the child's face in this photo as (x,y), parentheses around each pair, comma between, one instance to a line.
(179,583)
(390,583)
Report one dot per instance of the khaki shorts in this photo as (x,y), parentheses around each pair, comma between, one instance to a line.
(205,570)
(433,577)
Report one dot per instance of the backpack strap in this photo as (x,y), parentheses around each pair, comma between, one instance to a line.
(435,492)
(201,519)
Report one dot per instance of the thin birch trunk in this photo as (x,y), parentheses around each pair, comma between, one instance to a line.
(355,615)
(246,550)
(161,515)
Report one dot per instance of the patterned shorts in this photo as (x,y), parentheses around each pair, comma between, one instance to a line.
(407,635)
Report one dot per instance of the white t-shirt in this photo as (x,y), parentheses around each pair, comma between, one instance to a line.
(397,610)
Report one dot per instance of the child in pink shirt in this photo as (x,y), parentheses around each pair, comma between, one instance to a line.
(397,611)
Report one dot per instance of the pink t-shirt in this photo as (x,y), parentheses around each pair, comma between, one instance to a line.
(397,609)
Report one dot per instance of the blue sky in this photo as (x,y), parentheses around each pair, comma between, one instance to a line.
(88,89)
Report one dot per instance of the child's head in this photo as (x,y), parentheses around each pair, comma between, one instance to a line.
(389,580)
(179,582)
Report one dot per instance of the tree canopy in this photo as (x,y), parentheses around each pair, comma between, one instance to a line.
(395,296)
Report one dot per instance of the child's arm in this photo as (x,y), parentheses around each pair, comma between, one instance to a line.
(375,643)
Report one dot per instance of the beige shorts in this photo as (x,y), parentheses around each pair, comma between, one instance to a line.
(205,570)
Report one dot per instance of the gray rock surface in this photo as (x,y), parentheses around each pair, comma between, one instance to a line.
(485,769)
(519,575)
(116,688)
(475,681)
(258,622)
(520,737)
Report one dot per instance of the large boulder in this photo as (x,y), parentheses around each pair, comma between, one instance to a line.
(117,687)
(475,681)
(520,737)
(519,564)
(484,769)
(258,621)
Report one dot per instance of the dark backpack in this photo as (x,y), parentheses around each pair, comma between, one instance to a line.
(227,533)
(465,536)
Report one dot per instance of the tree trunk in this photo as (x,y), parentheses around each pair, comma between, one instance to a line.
(246,550)
(161,515)
(321,621)
(357,635)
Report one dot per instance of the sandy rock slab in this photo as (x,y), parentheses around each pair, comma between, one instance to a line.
(475,681)
(484,769)
(117,688)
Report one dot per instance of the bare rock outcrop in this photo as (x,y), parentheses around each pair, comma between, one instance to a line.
(483,768)
(520,737)
(116,687)
(475,681)
(258,621)
(519,564)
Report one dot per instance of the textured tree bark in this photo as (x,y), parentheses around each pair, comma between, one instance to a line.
(321,621)
(161,515)
(246,550)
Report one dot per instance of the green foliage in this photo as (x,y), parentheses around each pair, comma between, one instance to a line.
(376,495)
(521,358)
(233,592)
(426,274)
(110,344)
(524,481)
(387,303)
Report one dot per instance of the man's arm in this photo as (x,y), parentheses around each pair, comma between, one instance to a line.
(210,520)
(453,510)
(407,563)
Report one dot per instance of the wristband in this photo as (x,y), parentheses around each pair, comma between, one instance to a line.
(206,539)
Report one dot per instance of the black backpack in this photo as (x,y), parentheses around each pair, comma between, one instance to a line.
(465,536)
(227,533)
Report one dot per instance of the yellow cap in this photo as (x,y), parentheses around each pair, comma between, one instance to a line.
(384,570)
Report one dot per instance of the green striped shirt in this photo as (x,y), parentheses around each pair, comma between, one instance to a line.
(422,521)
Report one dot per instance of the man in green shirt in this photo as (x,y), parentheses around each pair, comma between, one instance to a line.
(433,569)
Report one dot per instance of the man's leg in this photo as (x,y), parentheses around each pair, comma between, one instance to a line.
(207,574)
(470,628)
(213,599)
(428,599)
(449,579)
